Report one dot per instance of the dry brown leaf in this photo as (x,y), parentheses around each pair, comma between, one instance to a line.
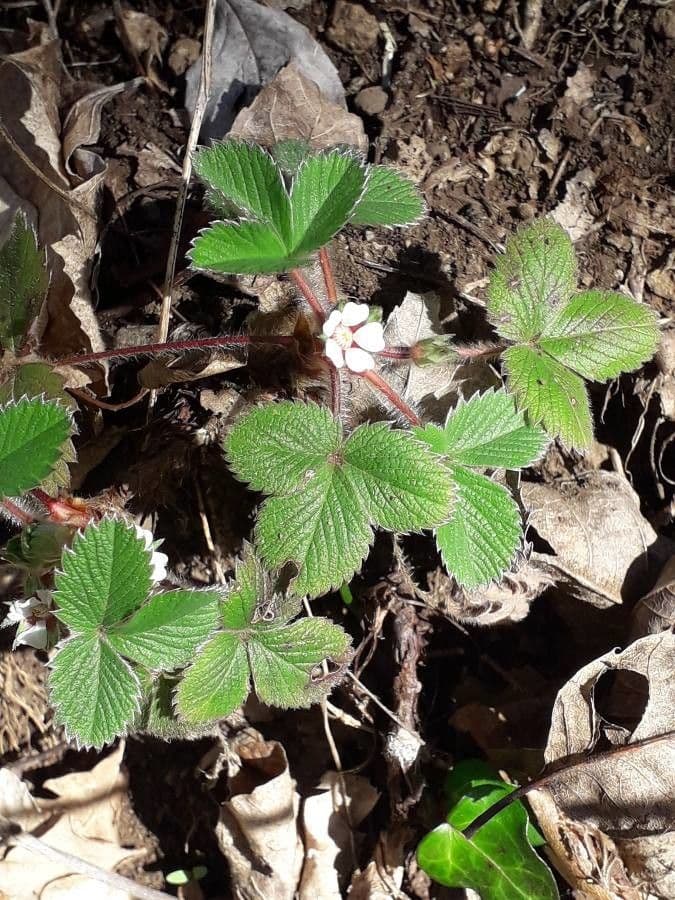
(292,107)
(383,876)
(579,90)
(82,822)
(631,793)
(603,548)
(586,858)
(58,187)
(190,367)
(258,826)
(573,212)
(650,862)
(328,823)
(144,40)
(656,610)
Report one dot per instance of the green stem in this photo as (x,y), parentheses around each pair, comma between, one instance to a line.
(346,594)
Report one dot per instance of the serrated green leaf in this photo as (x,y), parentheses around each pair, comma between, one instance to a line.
(289,155)
(247,176)
(35,380)
(283,660)
(94,692)
(217,682)
(322,527)
(479,542)
(240,248)
(487,432)
(32,436)
(157,716)
(274,446)
(105,576)
(551,394)
(252,585)
(23,283)
(333,492)
(389,199)
(601,334)
(325,191)
(167,631)
(532,280)
(38,547)
(499,862)
(402,485)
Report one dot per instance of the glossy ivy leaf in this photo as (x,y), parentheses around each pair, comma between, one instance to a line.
(499,862)
(23,283)
(285,229)
(558,335)
(484,532)
(102,595)
(260,645)
(36,380)
(329,492)
(389,199)
(32,436)
(94,692)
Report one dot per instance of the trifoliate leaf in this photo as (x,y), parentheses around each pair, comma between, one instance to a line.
(330,492)
(94,692)
(559,336)
(105,576)
(601,334)
(532,280)
(23,283)
(35,380)
(157,715)
(487,432)
(498,862)
(247,176)
(479,542)
(389,199)
(32,436)
(325,190)
(163,634)
(243,248)
(550,393)
(259,645)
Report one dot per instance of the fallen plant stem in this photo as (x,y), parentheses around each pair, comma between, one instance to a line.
(376,700)
(82,867)
(195,127)
(555,775)
(102,404)
(387,391)
(221,342)
(303,286)
(479,351)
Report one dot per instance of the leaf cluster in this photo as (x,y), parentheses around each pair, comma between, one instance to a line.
(279,210)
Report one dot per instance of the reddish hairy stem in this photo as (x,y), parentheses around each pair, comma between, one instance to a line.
(222,341)
(386,390)
(329,280)
(335,390)
(396,353)
(479,351)
(17,513)
(61,511)
(303,286)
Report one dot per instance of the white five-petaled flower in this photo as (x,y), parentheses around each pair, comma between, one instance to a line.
(158,561)
(34,618)
(349,341)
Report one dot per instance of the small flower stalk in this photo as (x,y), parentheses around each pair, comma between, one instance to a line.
(352,337)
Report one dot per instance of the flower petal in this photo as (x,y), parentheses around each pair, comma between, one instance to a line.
(159,563)
(355,313)
(332,323)
(359,360)
(370,336)
(146,536)
(35,636)
(334,353)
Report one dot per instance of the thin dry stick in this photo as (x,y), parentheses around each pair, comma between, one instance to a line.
(82,867)
(193,137)
(385,709)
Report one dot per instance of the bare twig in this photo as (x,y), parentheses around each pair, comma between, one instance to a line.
(186,174)
(82,867)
